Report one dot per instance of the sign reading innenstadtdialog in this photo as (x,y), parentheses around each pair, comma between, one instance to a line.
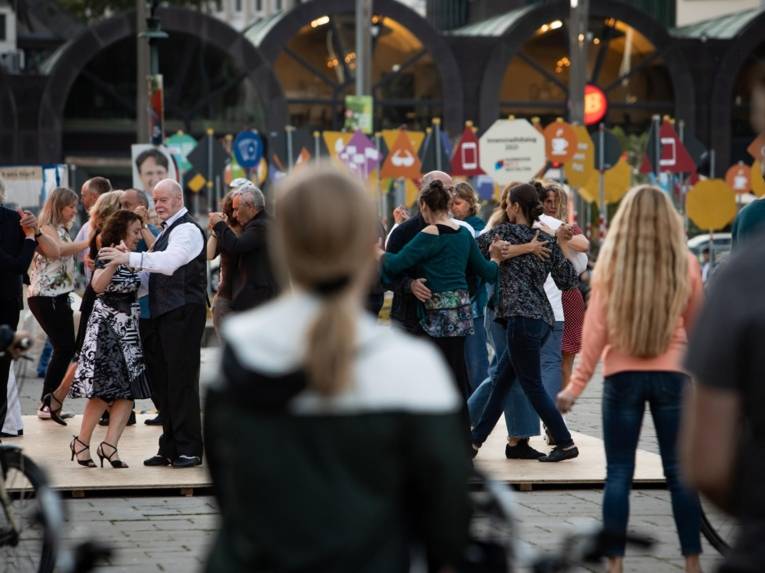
(512,150)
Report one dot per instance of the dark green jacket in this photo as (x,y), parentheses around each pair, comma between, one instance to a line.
(346,484)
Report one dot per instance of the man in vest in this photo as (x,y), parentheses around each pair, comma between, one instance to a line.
(172,336)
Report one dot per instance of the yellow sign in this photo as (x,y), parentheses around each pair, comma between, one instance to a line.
(618,181)
(336,142)
(711,204)
(757,182)
(581,167)
(196,183)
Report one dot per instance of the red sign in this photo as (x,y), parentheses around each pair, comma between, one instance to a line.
(465,158)
(595,104)
(673,158)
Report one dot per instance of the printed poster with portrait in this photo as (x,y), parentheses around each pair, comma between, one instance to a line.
(151,164)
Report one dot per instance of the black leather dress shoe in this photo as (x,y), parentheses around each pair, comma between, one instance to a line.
(157,461)
(187,461)
(155,421)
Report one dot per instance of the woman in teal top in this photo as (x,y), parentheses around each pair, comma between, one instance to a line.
(444,254)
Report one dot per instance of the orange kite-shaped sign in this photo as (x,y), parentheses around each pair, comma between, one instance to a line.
(402,160)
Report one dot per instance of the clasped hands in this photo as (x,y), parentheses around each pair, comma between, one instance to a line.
(28,223)
(215,218)
(115,256)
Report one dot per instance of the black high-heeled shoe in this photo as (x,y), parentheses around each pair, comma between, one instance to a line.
(48,400)
(118,464)
(89,463)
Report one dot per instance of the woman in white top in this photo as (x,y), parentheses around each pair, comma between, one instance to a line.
(51,277)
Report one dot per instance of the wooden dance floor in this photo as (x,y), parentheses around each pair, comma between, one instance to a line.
(47,444)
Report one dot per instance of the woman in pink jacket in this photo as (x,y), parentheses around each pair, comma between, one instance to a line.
(646,292)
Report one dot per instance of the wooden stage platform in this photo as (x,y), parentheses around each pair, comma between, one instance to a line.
(47,444)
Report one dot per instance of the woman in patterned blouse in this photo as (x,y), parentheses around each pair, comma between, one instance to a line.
(521,303)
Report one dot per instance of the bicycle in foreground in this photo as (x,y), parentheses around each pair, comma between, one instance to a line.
(32,514)
(495,546)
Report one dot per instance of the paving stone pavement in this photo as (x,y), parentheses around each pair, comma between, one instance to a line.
(169,534)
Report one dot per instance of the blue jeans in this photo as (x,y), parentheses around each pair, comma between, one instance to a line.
(521,419)
(476,354)
(521,361)
(624,397)
(42,364)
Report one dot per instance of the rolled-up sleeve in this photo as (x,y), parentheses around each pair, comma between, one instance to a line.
(185,243)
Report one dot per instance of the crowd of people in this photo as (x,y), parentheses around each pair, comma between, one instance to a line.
(364,431)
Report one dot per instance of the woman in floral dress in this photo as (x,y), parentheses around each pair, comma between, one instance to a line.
(111,371)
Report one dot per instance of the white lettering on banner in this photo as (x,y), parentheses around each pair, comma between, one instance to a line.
(512,150)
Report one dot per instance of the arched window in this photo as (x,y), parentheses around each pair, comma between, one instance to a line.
(318,65)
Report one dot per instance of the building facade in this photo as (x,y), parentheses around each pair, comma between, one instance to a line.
(265,65)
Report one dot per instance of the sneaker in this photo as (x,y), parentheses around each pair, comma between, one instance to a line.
(43,413)
(522,451)
(184,461)
(559,454)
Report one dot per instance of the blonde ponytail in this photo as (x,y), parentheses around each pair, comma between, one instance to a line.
(330,345)
(326,230)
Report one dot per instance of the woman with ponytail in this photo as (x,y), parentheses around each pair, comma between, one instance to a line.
(646,292)
(522,305)
(326,428)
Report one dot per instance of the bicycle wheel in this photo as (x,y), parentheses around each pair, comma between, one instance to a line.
(25,544)
(718,527)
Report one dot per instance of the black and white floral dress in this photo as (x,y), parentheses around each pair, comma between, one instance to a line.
(111,365)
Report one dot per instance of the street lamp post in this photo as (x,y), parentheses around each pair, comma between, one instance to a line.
(152,111)
(577,40)
(363,47)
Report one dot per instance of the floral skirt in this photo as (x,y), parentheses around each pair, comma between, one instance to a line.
(448,314)
(111,365)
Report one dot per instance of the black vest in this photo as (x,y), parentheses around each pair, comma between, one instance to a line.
(187,285)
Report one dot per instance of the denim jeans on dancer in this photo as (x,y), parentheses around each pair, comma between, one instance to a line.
(521,419)
(624,399)
(525,338)
(476,354)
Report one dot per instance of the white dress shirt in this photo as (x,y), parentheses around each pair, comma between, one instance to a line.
(578,261)
(184,245)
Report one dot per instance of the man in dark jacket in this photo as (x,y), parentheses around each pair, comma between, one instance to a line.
(18,241)
(254,282)
(410,289)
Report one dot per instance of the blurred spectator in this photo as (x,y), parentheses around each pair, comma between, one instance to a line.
(724,434)
(319,390)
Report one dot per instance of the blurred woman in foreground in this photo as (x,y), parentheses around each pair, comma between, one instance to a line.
(646,293)
(345,422)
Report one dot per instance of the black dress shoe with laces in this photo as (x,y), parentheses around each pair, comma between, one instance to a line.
(522,451)
(157,460)
(184,461)
(559,454)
